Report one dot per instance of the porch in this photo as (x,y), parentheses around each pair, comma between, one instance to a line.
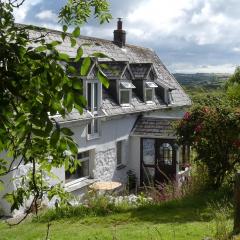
(161,158)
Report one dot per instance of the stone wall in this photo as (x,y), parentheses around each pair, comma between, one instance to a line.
(106,167)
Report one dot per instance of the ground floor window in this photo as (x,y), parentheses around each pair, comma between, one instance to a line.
(82,171)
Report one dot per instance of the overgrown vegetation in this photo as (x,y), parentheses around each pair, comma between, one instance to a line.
(212,128)
(193,217)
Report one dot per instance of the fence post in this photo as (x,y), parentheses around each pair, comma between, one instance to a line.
(236,227)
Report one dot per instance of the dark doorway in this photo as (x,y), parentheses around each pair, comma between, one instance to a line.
(158,161)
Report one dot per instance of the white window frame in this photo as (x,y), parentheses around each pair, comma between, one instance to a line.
(122,154)
(153,94)
(92,110)
(69,183)
(93,135)
(130,97)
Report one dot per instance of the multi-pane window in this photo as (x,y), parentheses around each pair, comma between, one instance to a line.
(92,97)
(125,96)
(166,152)
(125,92)
(149,91)
(149,94)
(81,171)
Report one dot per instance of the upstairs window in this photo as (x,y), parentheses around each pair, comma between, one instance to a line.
(125,93)
(81,171)
(149,91)
(149,94)
(92,97)
(125,96)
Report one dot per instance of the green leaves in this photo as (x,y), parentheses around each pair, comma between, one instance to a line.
(102,78)
(36,89)
(76,32)
(67,131)
(63,57)
(79,54)
(85,66)
(77,84)
(65,28)
(55,137)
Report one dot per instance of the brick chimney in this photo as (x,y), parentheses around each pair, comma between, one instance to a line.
(119,34)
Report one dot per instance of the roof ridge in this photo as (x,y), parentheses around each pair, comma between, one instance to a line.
(82,36)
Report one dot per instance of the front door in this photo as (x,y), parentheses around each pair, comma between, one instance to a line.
(165,161)
(158,162)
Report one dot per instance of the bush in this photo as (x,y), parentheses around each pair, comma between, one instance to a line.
(212,129)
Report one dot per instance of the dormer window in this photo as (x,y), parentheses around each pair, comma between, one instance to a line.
(149,91)
(125,93)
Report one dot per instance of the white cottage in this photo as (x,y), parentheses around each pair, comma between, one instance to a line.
(127,126)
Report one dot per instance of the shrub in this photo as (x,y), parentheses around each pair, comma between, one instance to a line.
(213,131)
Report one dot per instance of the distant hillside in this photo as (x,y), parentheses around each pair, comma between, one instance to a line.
(210,81)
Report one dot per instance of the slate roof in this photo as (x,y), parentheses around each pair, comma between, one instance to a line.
(131,54)
(154,127)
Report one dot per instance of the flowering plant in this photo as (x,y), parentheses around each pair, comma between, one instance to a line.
(213,131)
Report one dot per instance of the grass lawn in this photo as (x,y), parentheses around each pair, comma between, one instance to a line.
(189,218)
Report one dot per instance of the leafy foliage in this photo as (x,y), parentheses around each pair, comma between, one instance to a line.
(233,86)
(34,87)
(212,129)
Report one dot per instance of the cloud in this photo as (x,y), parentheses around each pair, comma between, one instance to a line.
(47,15)
(192,68)
(192,33)
(199,21)
(21,12)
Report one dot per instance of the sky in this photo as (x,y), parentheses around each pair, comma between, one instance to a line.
(188,35)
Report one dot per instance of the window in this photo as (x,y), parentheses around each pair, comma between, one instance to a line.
(82,171)
(166,154)
(125,93)
(92,97)
(149,91)
(93,128)
(125,96)
(119,153)
(149,95)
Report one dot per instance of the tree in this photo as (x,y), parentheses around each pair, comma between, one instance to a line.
(212,129)
(233,86)
(35,85)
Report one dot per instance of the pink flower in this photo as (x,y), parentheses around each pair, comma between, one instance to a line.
(186,116)
(198,128)
(236,143)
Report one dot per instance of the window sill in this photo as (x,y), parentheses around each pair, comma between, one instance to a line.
(150,102)
(78,184)
(126,105)
(92,136)
(120,166)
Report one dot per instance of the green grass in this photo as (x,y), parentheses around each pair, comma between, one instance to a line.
(190,218)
